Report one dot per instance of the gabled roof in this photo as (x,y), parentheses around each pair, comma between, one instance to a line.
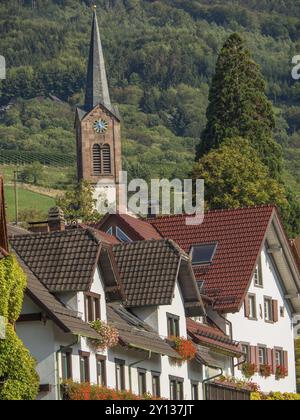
(137,229)
(149,271)
(3,226)
(135,333)
(66,261)
(212,337)
(66,319)
(240,235)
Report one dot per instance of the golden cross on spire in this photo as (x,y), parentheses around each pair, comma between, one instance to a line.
(94,7)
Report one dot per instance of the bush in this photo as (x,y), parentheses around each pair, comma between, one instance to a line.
(274,396)
(18,378)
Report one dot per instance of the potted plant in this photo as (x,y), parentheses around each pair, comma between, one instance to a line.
(280,373)
(108,335)
(185,348)
(249,370)
(265,371)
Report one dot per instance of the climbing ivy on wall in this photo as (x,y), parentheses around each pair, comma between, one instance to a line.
(18,378)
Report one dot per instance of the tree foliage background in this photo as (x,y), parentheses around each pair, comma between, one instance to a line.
(161,58)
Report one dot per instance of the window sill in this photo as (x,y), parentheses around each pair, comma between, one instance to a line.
(258,286)
(269,322)
(252,319)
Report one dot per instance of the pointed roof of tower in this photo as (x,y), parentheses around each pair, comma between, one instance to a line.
(97,87)
(3,226)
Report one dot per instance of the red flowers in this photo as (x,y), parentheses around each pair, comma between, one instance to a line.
(265,371)
(185,348)
(87,392)
(281,372)
(249,370)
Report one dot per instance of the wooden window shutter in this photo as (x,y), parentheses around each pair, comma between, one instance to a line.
(286,362)
(254,356)
(247,307)
(270,360)
(275,310)
(274,363)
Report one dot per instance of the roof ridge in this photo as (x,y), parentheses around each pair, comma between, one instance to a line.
(169,216)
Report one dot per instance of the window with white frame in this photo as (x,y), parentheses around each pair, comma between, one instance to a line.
(258,276)
(268,309)
(262,355)
(252,306)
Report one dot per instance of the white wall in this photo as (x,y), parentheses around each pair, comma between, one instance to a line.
(156,317)
(279,334)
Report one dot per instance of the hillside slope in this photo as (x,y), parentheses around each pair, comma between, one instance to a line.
(160,59)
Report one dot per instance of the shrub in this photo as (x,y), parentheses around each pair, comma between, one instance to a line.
(274,396)
(18,378)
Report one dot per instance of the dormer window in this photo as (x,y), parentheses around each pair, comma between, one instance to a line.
(173,325)
(119,234)
(203,254)
(122,236)
(92,307)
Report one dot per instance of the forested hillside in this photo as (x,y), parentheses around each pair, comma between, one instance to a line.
(160,57)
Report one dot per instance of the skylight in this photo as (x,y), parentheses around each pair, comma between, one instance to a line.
(203,254)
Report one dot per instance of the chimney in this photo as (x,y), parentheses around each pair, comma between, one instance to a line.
(56,220)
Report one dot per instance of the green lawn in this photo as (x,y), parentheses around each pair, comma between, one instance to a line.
(28,201)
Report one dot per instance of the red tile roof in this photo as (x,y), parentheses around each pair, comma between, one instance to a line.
(136,229)
(212,336)
(239,235)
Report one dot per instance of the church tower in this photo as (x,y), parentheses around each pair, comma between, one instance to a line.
(98,131)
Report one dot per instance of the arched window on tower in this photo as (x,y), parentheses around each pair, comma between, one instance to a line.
(97,167)
(106,159)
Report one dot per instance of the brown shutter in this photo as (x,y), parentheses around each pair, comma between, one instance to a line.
(275,310)
(247,307)
(286,362)
(254,356)
(274,364)
(270,360)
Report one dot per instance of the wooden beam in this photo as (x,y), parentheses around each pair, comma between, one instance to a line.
(30,317)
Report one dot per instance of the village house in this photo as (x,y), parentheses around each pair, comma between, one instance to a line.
(145,290)
(243,263)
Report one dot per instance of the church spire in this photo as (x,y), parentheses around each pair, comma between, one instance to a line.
(3,227)
(97,87)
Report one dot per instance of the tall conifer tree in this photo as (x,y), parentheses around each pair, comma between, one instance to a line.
(238,106)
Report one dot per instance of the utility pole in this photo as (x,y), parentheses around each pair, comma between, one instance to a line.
(16,197)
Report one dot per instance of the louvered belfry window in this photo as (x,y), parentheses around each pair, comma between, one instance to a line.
(97,167)
(106,159)
(101,159)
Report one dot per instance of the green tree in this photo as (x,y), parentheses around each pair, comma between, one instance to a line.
(18,378)
(78,203)
(235,177)
(238,106)
(32,173)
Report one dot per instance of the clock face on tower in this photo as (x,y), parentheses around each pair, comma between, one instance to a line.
(100,126)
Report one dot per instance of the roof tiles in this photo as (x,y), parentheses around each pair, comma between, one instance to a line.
(239,235)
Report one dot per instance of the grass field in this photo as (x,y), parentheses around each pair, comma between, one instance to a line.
(28,201)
